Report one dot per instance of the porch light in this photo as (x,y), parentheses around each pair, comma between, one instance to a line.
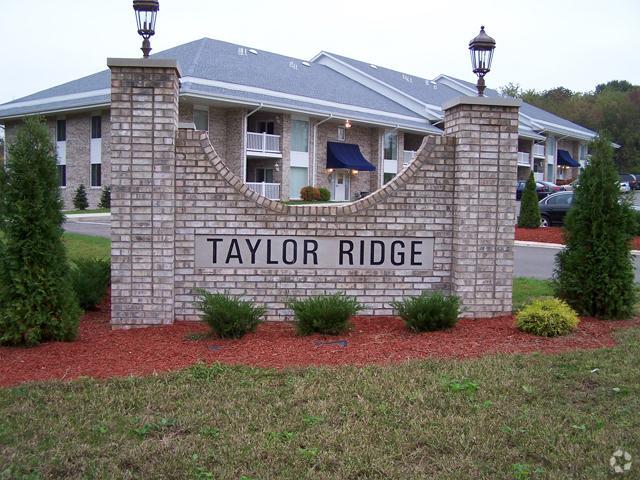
(146,12)
(277,167)
(347,123)
(329,171)
(354,172)
(481,49)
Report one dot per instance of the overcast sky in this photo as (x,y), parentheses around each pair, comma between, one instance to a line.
(540,44)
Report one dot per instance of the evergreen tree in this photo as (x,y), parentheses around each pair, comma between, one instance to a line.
(595,272)
(80,201)
(529,209)
(37,302)
(105,197)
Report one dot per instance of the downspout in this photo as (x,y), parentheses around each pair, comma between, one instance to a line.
(244,142)
(314,166)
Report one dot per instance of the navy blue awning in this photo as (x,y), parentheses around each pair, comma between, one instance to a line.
(564,158)
(347,155)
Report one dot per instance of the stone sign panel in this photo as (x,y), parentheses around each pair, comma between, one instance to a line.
(294,252)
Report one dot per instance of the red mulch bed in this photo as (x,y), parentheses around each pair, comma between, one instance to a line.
(102,353)
(553,235)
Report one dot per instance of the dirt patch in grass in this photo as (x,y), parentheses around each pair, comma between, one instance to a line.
(553,235)
(102,353)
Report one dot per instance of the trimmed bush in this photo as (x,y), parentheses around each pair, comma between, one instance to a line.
(594,274)
(428,311)
(310,194)
(80,201)
(329,314)
(547,317)
(37,302)
(325,194)
(529,209)
(229,317)
(90,278)
(105,197)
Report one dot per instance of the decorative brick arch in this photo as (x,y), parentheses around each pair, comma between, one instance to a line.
(169,187)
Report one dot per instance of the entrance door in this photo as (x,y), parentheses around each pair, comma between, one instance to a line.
(340,186)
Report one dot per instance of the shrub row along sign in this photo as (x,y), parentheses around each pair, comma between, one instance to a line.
(282,252)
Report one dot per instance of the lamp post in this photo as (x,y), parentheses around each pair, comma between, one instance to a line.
(146,12)
(481,49)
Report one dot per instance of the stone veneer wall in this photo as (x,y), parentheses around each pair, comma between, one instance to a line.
(210,199)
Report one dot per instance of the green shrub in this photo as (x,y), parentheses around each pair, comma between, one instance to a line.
(105,197)
(229,317)
(90,279)
(325,194)
(548,317)
(594,274)
(330,314)
(429,311)
(310,194)
(80,201)
(37,302)
(635,225)
(529,209)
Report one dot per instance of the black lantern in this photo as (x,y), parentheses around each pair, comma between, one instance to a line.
(146,12)
(481,49)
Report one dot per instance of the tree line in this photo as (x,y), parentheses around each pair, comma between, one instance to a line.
(612,108)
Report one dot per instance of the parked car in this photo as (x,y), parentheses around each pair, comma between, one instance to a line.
(637,177)
(541,189)
(625,187)
(553,188)
(554,208)
(630,179)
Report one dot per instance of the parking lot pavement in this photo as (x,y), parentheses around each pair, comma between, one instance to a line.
(97,226)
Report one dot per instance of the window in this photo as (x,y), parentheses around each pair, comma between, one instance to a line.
(342,134)
(267,127)
(264,175)
(299,136)
(96,175)
(390,146)
(61,130)
(62,175)
(559,200)
(201,118)
(96,126)
(298,178)
(388,177)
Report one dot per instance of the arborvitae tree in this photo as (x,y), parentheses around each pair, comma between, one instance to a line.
(80,201)
(595,272)
(105,197)
(529,209)
(37,302)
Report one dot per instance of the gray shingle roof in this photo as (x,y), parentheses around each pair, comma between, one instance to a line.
(267,74)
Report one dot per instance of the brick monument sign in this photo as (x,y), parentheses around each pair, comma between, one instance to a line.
(182,220)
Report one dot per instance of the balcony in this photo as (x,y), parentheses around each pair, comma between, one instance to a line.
(269,190)
(538,151)
(263,145)
(408,156)
(524,159)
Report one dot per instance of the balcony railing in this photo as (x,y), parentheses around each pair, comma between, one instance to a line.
(269,190)
(538,151)
(408,155)
(263,142)
(524,159)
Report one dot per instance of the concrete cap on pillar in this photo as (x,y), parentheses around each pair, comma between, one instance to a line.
(144,63)
(489,101)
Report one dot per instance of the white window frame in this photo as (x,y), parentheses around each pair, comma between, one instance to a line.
(61,149)
(342,134)
(95,152)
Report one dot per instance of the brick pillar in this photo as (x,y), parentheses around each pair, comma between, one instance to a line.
(485,170)
(144,122)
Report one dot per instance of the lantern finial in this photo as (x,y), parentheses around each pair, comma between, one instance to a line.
(146,12)
(481,48)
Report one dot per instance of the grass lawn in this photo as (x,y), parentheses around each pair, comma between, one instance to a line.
(524,289)
(95,210)
(500,417)
(86,246)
